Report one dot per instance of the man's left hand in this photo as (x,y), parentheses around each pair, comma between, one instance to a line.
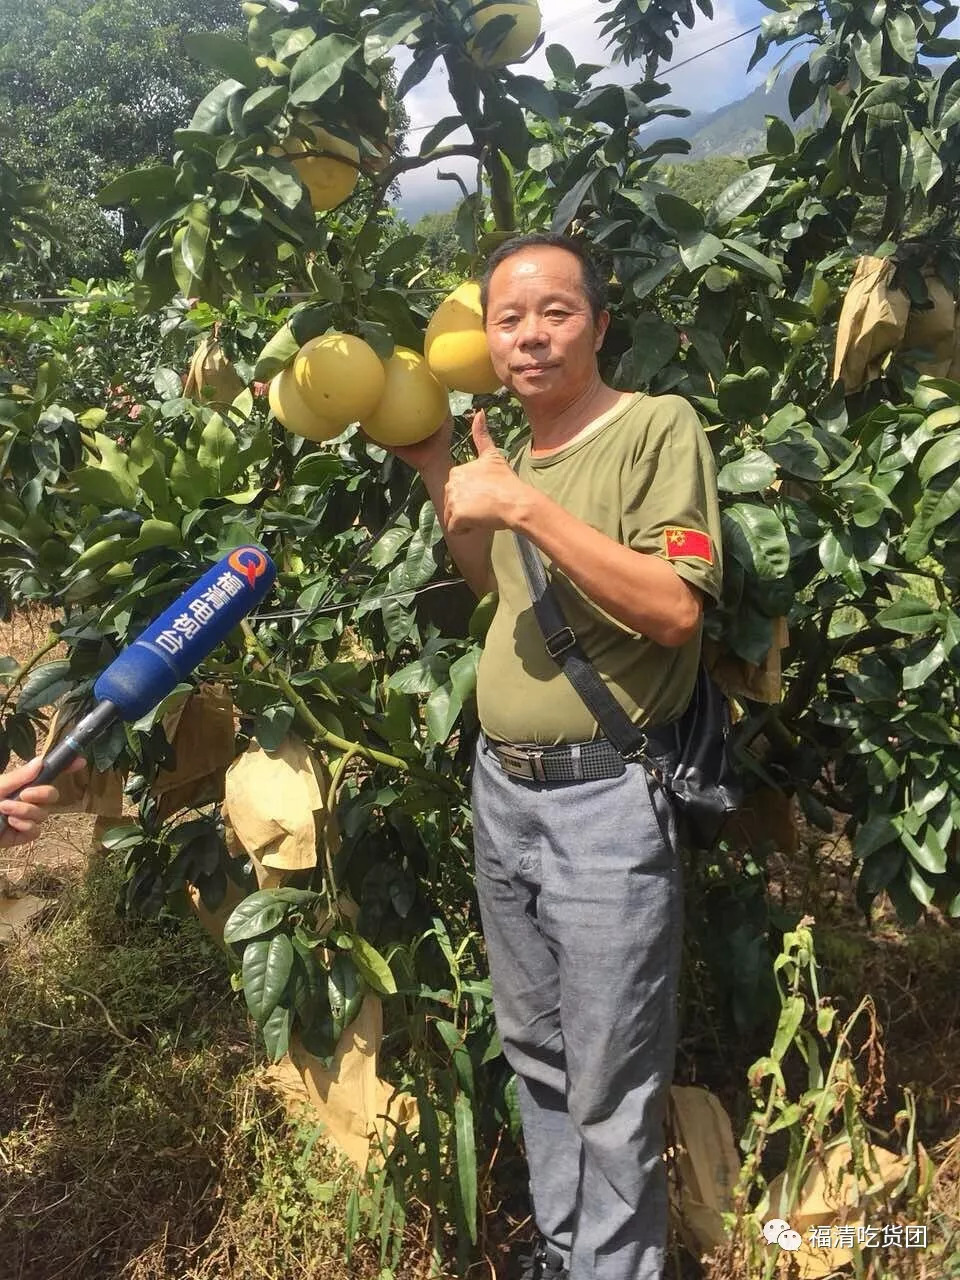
(485,493)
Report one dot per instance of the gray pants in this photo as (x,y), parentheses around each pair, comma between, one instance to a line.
(580,893)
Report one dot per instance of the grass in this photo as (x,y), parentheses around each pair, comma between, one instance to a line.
(137,1141)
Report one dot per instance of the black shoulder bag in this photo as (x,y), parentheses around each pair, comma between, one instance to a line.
(692,753)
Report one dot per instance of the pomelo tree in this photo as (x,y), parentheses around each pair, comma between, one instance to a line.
(840,509)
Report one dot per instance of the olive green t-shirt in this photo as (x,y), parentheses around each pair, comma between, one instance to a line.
(645,478)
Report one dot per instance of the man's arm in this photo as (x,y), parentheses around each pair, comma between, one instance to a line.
(641,591)
(470,550)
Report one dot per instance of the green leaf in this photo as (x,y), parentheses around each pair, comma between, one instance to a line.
(679,215)
(916,675)
(838,558)
(372,966)
(535,96)
(277,354)
(561,62)
(752,473)
(225,54)
(266,970)
(876,833)
(256,914)
(439,131)
(943,453)
(188,480)
(217,454)
(392,30)
(744,396)
(276,1032)
(345,990)
(98,487)
(385,550)
(443,707)
(931,727)
(655,343)
(869,54)
(791,1015)
(926,851)
(319,68)
(272,725)
(466,1161)
(780,139)
(757,539)
(741,193)
(746,257)
(281,182)
(263,105)
(569,206)
(211,115)
(463,674)
(699,250)
(909,615)
(147,183)
(45,685)
(881,867)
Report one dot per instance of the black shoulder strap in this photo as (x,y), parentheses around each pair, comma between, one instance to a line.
(563,647)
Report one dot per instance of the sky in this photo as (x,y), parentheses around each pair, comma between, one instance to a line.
(707,83)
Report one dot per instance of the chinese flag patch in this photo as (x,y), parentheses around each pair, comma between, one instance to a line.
(688,543)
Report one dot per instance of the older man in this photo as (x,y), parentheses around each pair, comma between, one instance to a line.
(577,868)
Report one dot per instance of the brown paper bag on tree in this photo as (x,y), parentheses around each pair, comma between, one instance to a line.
(274,801)
(706,1166)
(211,375)
(202,731)
(357,1109)
(872,323)
(933,329)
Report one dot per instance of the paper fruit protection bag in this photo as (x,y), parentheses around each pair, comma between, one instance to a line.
(276,811)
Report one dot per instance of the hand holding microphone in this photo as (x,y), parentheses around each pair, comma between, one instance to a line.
(156,662)
(24,815)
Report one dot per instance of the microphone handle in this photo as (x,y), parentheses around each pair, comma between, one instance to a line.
(66,751)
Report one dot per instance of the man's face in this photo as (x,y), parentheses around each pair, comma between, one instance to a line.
(540,329)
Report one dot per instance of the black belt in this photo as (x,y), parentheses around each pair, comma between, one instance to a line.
(572,762)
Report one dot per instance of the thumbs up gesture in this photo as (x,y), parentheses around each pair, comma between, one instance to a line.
(485,493)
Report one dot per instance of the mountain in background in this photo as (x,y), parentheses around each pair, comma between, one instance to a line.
(738,129)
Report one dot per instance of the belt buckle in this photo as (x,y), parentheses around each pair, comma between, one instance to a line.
(522,764)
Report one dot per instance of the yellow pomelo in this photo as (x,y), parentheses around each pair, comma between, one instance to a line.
(328,180)
(292,411)
(413,404)
(340,377)
(518,38)
(456,345)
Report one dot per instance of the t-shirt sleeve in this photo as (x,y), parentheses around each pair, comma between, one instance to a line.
(670,495)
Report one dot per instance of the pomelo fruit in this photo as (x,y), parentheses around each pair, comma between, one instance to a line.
(413,404)
(456,345)
(292,411)
(340,377)
(328,180)
(517,39)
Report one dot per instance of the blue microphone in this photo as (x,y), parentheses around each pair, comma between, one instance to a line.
(157,661)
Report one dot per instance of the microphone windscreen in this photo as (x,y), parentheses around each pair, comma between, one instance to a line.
(158,660)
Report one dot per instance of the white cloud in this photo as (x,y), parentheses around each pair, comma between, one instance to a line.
(713,79)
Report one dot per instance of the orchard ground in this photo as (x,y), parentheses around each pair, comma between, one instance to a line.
(139,1141)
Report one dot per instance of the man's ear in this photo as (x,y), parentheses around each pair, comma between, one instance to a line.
(601,325)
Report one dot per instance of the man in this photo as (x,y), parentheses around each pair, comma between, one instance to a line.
(30,810)
(579,881)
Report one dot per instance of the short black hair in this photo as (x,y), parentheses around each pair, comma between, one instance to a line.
(594,285)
